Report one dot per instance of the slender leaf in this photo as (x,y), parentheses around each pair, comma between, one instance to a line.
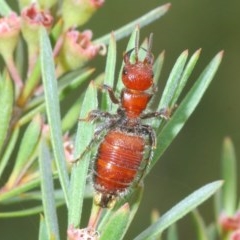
(29,116)
(185,109)
(53,109)
(73,83)
(172,233)
(70,81)
(229,174)
(57,30)
(5,10)
(28,146)
(6,108)
(26,212)
(109,71)
(71,117)
(20,57)
(30,84)
(142,21)
(185,75)
(199,226)
(18,189)
(80,169)
(33,195)
(47,189)
(15,195)
(212,231)
(8,151)
(180,210)
(64,85)
(116,228)
(157,67)
(133,199)
(173,80)
(42,229)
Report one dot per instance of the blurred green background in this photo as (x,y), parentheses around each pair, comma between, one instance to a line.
(194,157)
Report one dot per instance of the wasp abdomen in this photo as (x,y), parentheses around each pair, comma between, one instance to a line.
(118,161)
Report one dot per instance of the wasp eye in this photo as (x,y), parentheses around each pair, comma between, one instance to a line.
(124,72)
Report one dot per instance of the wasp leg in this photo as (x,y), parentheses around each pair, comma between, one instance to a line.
(111,93)
(89,146)
(148,130)
(164,113)
(110,122)
(97,114)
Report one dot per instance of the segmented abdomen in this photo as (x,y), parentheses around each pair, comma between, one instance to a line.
(118,160)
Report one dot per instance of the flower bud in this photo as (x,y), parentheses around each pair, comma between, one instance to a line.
(32,19)
(9,34)
(77,12)
(230,223)
(235,235)
(77,49)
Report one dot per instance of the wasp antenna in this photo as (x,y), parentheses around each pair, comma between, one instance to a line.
(136,45)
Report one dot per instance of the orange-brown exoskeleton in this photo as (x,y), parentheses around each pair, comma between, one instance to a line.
(127,146)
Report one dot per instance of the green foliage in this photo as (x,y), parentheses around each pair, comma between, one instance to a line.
(226,224)
(36,139)
(6,103)
(180,210)
(53,110)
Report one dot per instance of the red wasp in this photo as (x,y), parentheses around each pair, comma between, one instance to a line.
(127,146)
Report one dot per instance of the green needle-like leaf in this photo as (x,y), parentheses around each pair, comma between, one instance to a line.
(47,189)
(229,174)
(68,82)
(172,233)
(73,83)
(173,80)
(142,21)
(25,212)
(157,67)
(180,210)
(71,117)
(5,10)
(6,107)
(133,200)
(53,109)
(109,72)
(116,227)
(42,229)
(30,84)
(6,194)
(199,226)
(185,109)
(80,169)
(8,151)
(19,189)
(28,146)
(185,75)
